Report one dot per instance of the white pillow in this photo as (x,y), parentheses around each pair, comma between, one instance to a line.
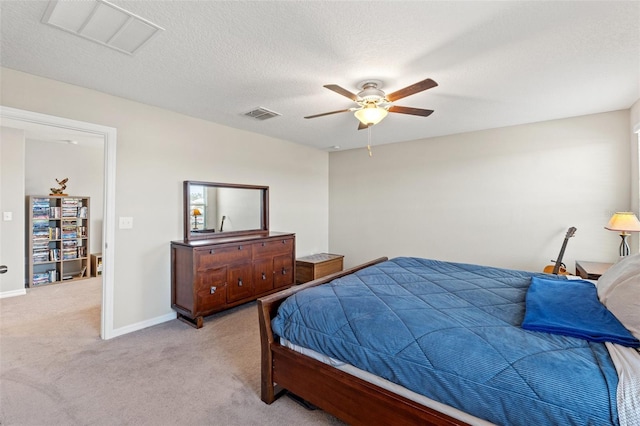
(619,291)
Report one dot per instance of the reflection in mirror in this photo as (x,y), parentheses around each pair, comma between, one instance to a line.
(224,209)
(214,208)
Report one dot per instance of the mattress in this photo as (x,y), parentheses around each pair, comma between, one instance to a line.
(451,332)
(386,384)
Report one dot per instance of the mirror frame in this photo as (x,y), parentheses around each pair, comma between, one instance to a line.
(264,211)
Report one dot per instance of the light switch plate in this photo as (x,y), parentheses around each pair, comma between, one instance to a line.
(126,222)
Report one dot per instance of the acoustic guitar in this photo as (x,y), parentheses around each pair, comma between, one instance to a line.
(559,267)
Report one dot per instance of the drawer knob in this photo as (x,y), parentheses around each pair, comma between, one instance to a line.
(212,290)
(284,271)
(212,251)
(264,244)
(239,247)
(239,282)
(284,241)
(264,276)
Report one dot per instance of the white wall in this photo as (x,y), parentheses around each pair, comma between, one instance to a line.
(12,233)
(502,197)
(157,150)
(83,164)
(240,208)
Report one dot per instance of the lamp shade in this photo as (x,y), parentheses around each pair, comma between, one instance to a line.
(371,114)
(624,221)
(197,212)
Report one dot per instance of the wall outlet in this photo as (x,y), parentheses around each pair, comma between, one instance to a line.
(7,216)
(126,222)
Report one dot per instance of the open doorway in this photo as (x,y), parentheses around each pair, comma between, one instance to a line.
(29,122)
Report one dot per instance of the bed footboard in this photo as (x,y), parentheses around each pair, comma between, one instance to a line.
(268,308)
(349,398)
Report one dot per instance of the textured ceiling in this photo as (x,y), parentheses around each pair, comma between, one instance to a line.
(497,63)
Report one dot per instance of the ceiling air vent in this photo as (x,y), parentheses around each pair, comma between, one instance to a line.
(262,114)
(102,22)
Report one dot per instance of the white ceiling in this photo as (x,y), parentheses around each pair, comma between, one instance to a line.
(497,63)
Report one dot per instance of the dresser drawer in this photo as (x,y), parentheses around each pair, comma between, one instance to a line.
(273,248)
(263,276)
(240,284)
(210,290)
(283,271)
(211,257)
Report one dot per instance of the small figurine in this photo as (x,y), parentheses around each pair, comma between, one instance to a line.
(60,191)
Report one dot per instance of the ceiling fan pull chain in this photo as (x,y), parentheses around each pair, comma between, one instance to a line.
(369,141)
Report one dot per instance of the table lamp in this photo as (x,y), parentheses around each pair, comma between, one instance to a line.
(196,213)
(625,222)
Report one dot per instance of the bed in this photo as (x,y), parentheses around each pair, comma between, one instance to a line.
(412,309)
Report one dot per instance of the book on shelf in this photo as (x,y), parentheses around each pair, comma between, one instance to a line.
(40,235)
(40,223)
(54,212)
(41,278)
(54,254)
(40,255)
(69,231)
(70,207)
(40,208)
(54,233)
(69,256)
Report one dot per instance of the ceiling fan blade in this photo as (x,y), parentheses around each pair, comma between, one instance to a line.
(410,90)
(344,92)
(327,113)
(361,125)
(413,111)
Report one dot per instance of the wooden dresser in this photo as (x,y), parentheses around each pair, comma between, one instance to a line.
(212,275)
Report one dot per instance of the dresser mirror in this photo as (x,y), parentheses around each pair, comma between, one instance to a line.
(214,210)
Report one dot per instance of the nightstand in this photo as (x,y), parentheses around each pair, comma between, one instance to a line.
(591,270)
(315,266)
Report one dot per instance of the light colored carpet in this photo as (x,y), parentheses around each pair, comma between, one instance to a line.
(55,369)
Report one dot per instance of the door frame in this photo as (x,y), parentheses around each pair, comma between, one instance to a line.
(109,135)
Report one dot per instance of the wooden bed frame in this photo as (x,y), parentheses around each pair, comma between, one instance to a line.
(347,397)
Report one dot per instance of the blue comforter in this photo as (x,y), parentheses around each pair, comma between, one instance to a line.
(451,332)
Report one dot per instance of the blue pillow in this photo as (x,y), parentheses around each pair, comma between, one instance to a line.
(572,308)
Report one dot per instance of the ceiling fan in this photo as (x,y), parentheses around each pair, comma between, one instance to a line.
(374,104)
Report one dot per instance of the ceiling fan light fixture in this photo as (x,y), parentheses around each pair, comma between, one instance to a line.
(371,114)
(370,91)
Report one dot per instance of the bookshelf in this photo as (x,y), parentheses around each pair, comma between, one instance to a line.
(96,264)
(57,239)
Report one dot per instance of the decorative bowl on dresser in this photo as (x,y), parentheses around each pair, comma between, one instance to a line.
(215,268)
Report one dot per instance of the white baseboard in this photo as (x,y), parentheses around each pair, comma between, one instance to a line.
(13,293)
(143,324)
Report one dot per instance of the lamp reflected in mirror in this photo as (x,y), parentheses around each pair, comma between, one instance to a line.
(196,213)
